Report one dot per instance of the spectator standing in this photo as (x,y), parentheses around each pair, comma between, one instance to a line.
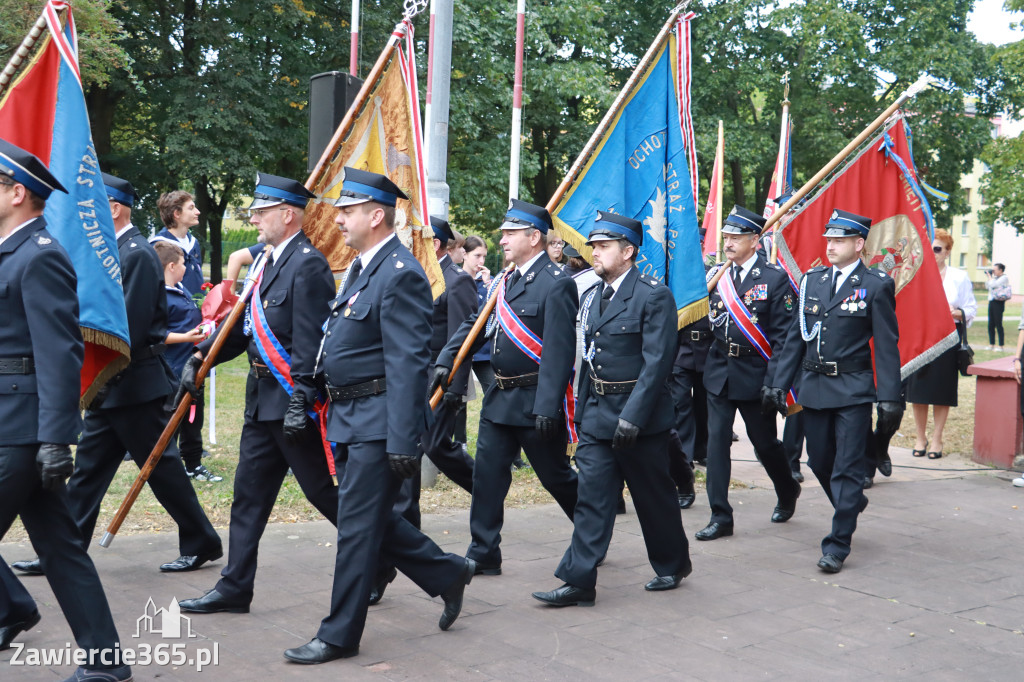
(936,383)
(999,292)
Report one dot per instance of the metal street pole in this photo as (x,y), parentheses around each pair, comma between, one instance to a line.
(517,101)
(439,64)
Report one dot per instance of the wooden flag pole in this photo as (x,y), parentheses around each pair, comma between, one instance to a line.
(919,85)
(179,414)
(809,186)
(783,135)
(16,60)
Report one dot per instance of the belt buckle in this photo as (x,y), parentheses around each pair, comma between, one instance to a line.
(500,380)
(695,335)
(734,350)
(599,387)
(831,369)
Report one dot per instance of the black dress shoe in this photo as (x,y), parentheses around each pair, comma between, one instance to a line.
(214,602)
(119,674)
(883,464)
(30,567)
(667,582)
(319,651)
(784,512)
(9,632)
(798,477)
(830,563)
(190,563)
(686,500)
(381,584)
(714,530)
(868,482)
(620,508)
(735,437)
(486,569)
(567,595)
(453,595)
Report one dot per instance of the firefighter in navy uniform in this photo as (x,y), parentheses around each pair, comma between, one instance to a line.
(625,413)
(40,370)
(736,370)
(452,308)
(524,408)
(375,360)
(842,308)
(294,293)
(128,414)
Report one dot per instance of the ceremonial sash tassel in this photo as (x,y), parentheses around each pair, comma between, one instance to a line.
(532,346)
(743,320)
(279,361)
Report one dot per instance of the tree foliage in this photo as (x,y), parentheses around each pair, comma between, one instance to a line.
(217,89)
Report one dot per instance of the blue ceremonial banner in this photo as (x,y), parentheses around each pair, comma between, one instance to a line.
(44,112)
(640,168)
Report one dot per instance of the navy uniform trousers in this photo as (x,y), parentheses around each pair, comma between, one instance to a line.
(602,469)
(55,537)
(368,484)
(762,432)
(837,441)
(264,458)
(492,477)
(107,435)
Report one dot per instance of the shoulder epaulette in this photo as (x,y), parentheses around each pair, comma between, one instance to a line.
(650,281)
(818,268)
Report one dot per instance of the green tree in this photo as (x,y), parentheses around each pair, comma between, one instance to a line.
(98,33)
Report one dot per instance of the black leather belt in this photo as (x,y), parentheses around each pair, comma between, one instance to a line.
(261,371)
(699,334)
(602,387)
(371,387)
(735,350)
(150,352)
(834,369)
(505,383)
(17,366)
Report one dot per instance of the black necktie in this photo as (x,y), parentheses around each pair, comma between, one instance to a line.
(353,273)
(606,296)
(737,277)
(513,279)
(835,282)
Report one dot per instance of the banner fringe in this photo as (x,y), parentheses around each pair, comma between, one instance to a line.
(689,314)
(112,369)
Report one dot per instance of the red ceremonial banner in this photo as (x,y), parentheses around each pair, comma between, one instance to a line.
(881,183)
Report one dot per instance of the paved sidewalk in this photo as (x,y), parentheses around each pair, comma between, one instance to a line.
(934,588)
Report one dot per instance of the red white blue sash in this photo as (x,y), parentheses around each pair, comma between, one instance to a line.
(532,345)
(279,361)
(743,320)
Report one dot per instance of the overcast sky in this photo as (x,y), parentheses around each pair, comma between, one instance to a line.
(991,23)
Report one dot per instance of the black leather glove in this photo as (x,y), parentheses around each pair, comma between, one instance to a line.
(625,435)
(188,380)
(773,400)
(547,426)
(403,466)
(55,465)
(438,379)
(890,414)
(295,418)
(454,400)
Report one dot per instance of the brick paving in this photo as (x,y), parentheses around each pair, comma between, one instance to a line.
(934,588)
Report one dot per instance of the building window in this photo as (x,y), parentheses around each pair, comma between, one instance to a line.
(982,261)
(963,259)
(968,190)
(965,228)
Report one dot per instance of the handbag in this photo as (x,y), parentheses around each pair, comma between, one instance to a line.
(964,354)
(1002,293)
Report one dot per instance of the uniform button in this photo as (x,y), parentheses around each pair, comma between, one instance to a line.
(597,334)
(14,387)
(826,314)
(328,333)
(598,350)
(623,329)
(599,367)
(334,314)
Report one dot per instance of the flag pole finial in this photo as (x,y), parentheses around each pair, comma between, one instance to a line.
(785,91)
